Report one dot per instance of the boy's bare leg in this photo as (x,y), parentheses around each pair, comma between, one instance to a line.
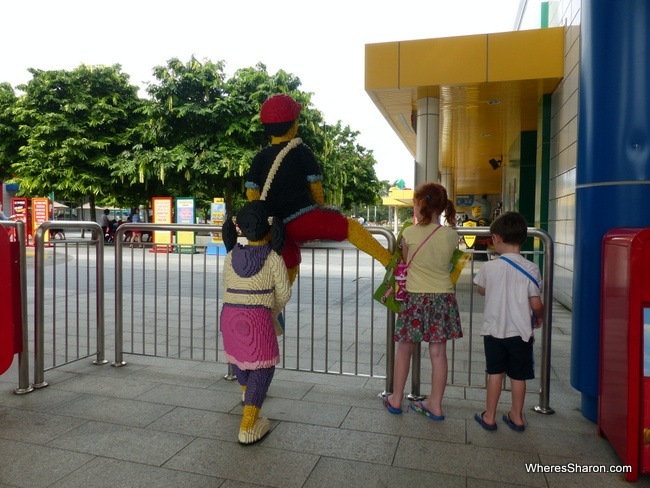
(494,383)
(401,372)
(438,353)
(518,388)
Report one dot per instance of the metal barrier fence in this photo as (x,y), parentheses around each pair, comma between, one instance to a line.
(65,297)
(158,286)
(468,300)
(167,303)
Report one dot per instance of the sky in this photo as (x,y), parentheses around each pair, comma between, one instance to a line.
(321,42)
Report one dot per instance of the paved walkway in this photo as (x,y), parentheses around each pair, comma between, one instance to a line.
(173,423)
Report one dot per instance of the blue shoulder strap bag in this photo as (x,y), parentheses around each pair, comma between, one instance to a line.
(530,277)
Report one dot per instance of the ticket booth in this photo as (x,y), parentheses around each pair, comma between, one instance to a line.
(624,394)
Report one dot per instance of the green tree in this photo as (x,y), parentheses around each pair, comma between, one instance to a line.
(201,130)
(348,169)
(9,139)
(85,133)
(181,137)
(74,124)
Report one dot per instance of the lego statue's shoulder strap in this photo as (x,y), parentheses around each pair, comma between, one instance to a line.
(293,143)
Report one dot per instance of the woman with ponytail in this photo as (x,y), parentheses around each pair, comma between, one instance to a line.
(430,311)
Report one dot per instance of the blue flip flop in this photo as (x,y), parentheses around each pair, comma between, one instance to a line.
(418,407)
(479,418)
(512,425)
(390,408)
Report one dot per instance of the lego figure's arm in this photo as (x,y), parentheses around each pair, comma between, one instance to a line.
(317,192)
(253,183)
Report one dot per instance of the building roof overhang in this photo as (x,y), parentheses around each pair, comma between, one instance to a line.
(489,86)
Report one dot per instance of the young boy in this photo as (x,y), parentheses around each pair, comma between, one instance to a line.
(513,308)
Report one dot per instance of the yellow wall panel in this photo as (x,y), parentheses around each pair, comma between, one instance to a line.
(382,66)
(526,55)
(448,60)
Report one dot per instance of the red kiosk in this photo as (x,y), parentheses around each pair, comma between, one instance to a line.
(624,398)
(10,300)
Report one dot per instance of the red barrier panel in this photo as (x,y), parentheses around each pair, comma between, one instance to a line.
(11,316)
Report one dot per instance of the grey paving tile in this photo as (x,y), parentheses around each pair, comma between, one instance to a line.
(304,412)
(32,466)
(359,397)
(88,367)
(218,369)
(200,423)
(566,418)
(113,410)
(108,386)
(376,384)
(119,442)
(40,400)
(34,427)
(320,379)
(109,473)
(241,484)
(57,376)
(479,483)
(183,396)
(335,473)
(468,461)
(576,446)
(292,390)
(182,377)
(173,363)
(328,441)
(409,424)
(248,464)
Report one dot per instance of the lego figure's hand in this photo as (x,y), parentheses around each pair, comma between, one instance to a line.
(252,194)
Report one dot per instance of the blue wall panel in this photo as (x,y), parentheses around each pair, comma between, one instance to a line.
(613,169)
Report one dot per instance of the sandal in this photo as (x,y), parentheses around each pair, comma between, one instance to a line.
(483,423)
(390,408)
(419,407)
(512,425)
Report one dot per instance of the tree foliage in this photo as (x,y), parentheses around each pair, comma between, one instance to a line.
(86,133)
(73,124)
(9,139)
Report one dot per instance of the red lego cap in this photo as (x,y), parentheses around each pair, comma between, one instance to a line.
(280,108)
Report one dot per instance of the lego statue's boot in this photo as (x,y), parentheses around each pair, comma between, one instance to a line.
(253,427)
(363,240)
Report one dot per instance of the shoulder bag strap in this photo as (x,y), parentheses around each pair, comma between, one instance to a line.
(276,164)
(530,277)
(422,244)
